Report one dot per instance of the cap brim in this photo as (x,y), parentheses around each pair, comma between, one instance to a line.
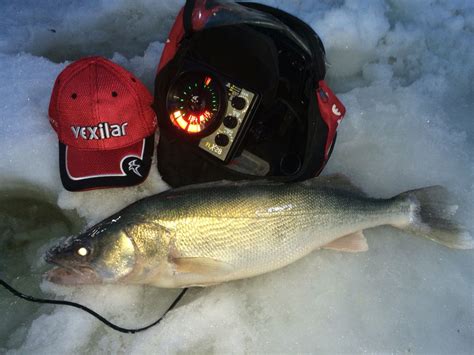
(94,169)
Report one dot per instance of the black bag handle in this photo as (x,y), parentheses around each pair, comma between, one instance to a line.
(188,16)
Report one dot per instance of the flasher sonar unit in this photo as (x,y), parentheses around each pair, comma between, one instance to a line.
(209,111)
(194,103)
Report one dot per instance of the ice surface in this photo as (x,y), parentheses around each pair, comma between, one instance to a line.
(404,70)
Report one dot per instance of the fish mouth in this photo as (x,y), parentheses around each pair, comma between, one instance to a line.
(72,276)
(63,274)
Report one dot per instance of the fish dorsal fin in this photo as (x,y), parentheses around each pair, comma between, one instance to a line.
(218,184)
(339,181)
(352,243)
(201,266)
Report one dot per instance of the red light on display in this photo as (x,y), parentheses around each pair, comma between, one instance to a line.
(207,80)
(204,116)
(191,123)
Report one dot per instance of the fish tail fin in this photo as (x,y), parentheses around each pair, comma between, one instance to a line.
(431,210)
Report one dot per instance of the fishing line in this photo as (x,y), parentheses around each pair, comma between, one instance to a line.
(90,311)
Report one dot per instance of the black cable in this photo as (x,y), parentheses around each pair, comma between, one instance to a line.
(90,311)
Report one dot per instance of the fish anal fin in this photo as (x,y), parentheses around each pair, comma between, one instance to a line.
(201,266)
(352,243)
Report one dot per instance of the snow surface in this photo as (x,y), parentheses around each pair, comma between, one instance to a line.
(403,68)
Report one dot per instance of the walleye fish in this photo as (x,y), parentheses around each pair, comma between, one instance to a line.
(211,233)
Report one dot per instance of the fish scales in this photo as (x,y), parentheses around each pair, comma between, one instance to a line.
(259,230)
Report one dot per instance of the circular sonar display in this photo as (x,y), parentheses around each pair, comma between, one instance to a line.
(194,102)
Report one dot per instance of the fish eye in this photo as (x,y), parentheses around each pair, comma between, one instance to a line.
(82,251)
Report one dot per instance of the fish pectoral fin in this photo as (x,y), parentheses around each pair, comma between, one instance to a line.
(352,243)
(202,266)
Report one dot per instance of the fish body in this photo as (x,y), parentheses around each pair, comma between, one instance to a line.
(212,233)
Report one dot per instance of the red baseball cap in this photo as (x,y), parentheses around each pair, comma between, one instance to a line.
(105,125)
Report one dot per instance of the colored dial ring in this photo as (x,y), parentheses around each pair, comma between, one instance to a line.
(194,102)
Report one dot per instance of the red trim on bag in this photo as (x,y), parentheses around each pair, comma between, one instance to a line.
(201,15)
(176,35)
(332,112)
